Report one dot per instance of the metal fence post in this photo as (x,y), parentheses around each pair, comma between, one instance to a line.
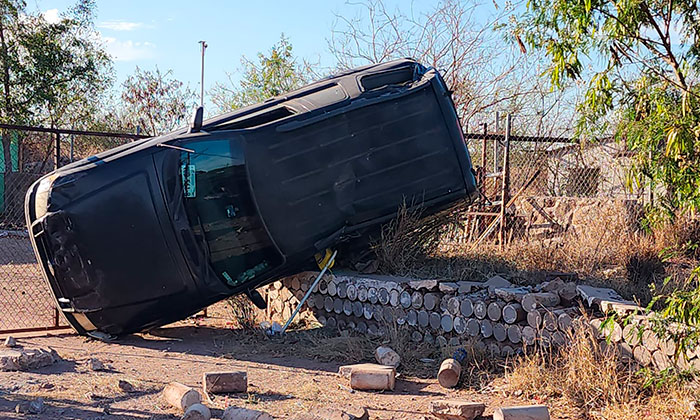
(504,183)
(482,181)
(57,162)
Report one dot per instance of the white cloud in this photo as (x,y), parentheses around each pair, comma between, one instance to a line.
(120,25)
(129,50)
(51,16)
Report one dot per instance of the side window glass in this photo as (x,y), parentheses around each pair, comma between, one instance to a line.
(222,213)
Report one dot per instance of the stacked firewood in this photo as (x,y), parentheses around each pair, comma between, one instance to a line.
(501,318)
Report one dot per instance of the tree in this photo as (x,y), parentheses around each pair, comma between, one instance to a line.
(51,73)
(641,58)
(156,102)
(270,76)
(638,57)
(452,36)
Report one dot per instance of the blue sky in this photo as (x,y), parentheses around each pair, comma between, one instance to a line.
(150,33)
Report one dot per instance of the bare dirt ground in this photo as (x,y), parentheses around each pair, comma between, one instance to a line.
(284,376)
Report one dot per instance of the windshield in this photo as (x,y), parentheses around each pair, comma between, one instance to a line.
(221,211)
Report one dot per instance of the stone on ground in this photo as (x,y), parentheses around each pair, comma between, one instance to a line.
(355,413)
(96,365)
(456,409)
(126,386)
(238,413)
(10,342)
(37,406)
(525,412)
(26,359)
(225,382)
(387,356)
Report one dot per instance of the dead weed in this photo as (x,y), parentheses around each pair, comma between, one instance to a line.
(581,380)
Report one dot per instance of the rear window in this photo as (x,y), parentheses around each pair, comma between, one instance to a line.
(222,213)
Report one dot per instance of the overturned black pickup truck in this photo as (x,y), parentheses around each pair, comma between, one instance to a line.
(152,231)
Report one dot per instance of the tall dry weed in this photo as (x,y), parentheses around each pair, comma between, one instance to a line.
(243,311)
(583,380)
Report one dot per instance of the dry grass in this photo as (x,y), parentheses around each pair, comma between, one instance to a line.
(610,252)
(582,381)
(243,312)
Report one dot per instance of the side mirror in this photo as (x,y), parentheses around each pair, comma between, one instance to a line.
(196,120)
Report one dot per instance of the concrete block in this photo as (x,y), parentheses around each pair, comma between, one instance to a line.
(525,412)
(238,413)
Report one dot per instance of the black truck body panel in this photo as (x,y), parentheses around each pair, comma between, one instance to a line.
(152,231)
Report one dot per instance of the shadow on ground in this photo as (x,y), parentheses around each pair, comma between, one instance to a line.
(12,405)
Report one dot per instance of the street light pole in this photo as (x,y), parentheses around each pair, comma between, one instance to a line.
(201,95)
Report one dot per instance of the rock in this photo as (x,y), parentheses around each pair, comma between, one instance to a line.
(22,408)
(456,409)
(387,356)
(594,295)
(197,412)
(96,365)
(620,307)
(26,359)
(372,378)
(531,412)
(469,286)
(225,382)
(568,293)
(10,342)
(534,301)
(553,286)
(126,386)
(511,294)
(345,371)
(427,285)
(495,282)
(334,414)
(238,413)
(448,287)
(36,406)
(181,396)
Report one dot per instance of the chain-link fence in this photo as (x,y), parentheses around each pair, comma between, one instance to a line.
(545,188)
(26,154)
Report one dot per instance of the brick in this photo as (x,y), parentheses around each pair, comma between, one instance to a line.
(225,382)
